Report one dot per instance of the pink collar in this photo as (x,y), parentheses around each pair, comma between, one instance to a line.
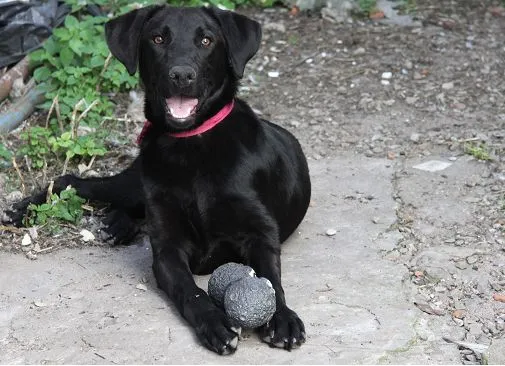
(204,127)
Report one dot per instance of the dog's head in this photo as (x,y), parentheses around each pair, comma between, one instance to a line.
(189,59)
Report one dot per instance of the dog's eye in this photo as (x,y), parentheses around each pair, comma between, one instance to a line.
(206,41)
(158,39)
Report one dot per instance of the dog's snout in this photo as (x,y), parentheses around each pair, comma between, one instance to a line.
(182,75)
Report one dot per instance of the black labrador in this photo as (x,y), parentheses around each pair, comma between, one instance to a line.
(216,183)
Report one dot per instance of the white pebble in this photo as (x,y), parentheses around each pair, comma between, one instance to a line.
(387,75)
(141,286)
(273,74)
(26,240)
(331,232)
(87,235)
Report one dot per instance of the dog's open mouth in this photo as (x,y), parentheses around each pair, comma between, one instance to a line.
(181,107)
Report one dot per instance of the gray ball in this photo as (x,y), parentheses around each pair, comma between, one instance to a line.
(250,302)
(224,276)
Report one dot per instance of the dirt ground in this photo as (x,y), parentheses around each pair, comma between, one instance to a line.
(403,94)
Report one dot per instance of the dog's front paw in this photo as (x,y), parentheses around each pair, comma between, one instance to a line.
(217,333)
(284,330)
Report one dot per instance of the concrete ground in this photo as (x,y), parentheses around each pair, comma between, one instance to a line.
(101,305)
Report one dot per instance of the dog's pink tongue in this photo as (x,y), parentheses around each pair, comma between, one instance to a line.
(181,107)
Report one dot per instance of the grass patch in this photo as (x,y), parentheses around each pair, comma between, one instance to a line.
(65,207)
(479,152)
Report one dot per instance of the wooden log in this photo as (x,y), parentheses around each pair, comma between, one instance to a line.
(21,70)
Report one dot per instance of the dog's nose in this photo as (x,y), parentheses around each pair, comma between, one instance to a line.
(182,75)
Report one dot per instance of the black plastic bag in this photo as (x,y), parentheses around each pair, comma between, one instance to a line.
(25,25)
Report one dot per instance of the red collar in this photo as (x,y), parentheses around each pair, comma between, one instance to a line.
(204,127)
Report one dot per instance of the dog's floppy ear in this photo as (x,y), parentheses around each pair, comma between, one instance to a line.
(242,35)
(123,35)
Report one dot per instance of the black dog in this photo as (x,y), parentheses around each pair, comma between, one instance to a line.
(216,183)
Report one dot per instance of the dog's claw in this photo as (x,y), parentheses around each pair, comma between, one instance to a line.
(285,330)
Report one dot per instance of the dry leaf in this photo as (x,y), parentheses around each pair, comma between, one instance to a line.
(377,14)
(428,309)
(499,297)
(458,313)
(294,10)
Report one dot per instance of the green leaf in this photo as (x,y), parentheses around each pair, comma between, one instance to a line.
(66,56)
(42,74)
(50,46)
(71,22)
(76,46)
(97,61)
(44,207)
(62,34)
(38,55)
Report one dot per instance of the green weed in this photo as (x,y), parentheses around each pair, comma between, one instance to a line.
(65,207)
(5,156)
(479,152)
(367,6)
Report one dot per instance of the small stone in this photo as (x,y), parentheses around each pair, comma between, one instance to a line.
(461,265)
(141,286)
(273,74)
(359,51)
(39,304)
(408,64)
(26,240)
(376,220)
(448,86)
(458,322)
(331,232)
(415,137)
(472,259)
(385,82)
(387,75)
(86,235)
(432,166)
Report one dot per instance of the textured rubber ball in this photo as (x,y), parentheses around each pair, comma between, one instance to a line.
(250,302)
(224,276)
